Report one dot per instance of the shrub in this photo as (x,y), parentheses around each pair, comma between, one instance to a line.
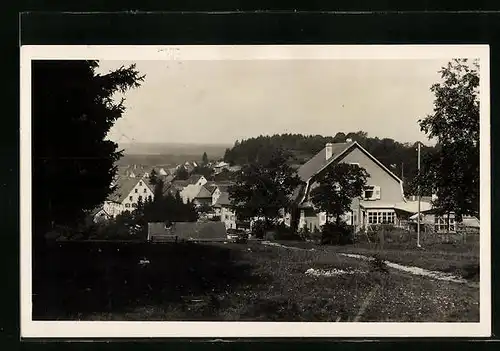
(304,233)
(283,232)
(259,229)
(336,234)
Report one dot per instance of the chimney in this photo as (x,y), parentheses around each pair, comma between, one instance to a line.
(348,140)
(329,150)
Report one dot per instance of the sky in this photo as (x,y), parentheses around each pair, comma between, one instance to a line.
(219,102)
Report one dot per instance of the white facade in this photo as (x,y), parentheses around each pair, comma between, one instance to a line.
(191,191)
(228,217)
(215,196)
(140,192)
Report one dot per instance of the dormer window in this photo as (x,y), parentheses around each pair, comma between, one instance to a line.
(371,192)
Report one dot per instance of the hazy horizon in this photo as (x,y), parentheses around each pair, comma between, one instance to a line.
(219,102)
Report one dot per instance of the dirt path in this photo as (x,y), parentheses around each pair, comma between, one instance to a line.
(407,269)
(417,270)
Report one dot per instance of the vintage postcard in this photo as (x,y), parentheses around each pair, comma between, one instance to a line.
(255,191)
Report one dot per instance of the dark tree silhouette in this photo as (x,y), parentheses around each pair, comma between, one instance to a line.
(453,169)
(73,165)
(262,190)
(336,188)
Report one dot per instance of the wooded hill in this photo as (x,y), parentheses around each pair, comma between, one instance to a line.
(401,158)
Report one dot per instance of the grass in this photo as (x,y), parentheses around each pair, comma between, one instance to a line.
(458,259)
(254,282)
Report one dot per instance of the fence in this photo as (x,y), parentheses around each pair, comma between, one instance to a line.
(428,235)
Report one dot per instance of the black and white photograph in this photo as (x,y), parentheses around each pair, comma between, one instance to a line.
(300,191)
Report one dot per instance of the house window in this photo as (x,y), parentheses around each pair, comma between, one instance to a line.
(140,198)
(127,205)
(144,190)
(368,193)
(134,205)
(135,191)
(140,183)
(130,198)
(441,224)
(149,198)
(381,217)
(371,192)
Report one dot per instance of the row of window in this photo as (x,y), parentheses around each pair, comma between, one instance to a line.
(381,217)
(137,190)
(139,198)
(229,217)
(442,225)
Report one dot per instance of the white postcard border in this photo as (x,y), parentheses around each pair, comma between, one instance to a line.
(80,329)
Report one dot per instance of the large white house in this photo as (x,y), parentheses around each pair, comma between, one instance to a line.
(129,192)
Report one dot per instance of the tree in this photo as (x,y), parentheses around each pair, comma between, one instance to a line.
(73,111)
(181,173)
(336,188)
(339,137)
(204,158)
(453,170)
(263,190)
(153,177)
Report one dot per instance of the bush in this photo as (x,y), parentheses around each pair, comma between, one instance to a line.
(336,234)
(259,229)
(283,232)
(304,233)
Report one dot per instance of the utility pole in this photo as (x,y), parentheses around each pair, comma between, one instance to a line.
(419,197)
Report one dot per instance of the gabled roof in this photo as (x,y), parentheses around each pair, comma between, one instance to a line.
(211,187)
(125,186)
(319,161)
(193,179)
(223,200)
(204,193)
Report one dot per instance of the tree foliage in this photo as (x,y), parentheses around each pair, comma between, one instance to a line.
(204,158)
(336,188)
(73,110)
(263,190)
(452,170)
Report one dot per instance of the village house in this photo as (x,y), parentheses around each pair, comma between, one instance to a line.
(381,197)
(187,189)
(220,166)
(98,215)
(224,210)
(208,195)
(129,191)
(382,201)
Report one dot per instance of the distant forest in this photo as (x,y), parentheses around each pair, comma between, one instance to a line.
(401,158)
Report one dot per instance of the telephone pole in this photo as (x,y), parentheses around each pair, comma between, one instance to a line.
(419,197)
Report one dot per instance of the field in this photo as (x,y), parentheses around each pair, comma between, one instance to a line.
(248,282)
(152,154)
